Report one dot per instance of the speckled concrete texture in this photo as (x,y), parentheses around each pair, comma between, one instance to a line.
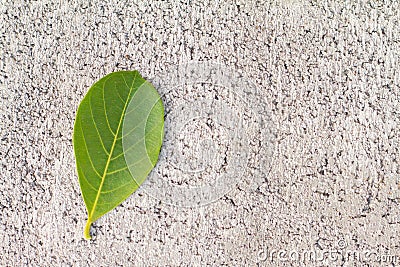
(328,72)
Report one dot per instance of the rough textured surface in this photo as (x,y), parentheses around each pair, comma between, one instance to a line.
(328,72)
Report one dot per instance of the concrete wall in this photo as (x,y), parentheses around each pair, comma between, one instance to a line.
(326,74)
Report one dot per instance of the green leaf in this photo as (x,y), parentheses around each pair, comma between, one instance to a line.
(121,110)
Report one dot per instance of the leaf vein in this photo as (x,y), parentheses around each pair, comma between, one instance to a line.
(105,110)
(87,150)
(136,143)
(87,181)
(111,151)
(97,130)
(115,189)
(138,105)
(126,167)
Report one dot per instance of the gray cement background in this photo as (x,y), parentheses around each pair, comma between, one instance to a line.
(329,74)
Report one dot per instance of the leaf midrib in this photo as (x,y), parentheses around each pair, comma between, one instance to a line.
(111,150)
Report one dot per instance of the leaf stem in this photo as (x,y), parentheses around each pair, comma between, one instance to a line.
(86,233)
